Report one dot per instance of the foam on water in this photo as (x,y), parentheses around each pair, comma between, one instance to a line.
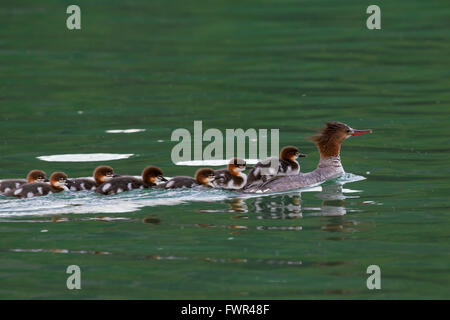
(125,130)
(211,162)
(85,157)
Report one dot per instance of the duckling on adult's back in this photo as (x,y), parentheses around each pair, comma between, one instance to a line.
(232,177)
(286,165)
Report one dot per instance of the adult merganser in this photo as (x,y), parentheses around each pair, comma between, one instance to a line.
(287,165)
(13,184)
(35,189)
(203,176)
(150,177)
(101,174)
(232,177)
(328,141)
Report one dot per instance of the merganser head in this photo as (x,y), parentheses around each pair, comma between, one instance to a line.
(330,137)
(236,166)
(58,180)
(36,176)
(152,175)
(205,176)
(290,153)
(103,174)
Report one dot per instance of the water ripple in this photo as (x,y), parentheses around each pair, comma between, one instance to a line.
(84,202)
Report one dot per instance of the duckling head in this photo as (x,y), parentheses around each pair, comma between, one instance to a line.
(290,153)
(36,176)
(236,166)
(205,176)
(58,180)
(103,174)
(152,175)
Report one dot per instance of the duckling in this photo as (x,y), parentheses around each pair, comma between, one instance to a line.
(287,165)
(204,176)
(151,176)
(101,174)
(232,177)
(13,184)
(57,184)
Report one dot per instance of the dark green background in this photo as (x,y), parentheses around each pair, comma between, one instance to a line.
(160,65)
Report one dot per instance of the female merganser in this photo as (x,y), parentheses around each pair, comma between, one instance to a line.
(232,177)
(13,184)
(287,165)
(35,189)
(150,177)
(203,176)
(101,174)
(328,141)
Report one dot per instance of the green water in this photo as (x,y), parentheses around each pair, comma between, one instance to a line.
(160,65)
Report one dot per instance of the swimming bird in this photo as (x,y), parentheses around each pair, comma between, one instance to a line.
(150,177)
(232,177)
(13,184)
(57,184)
(101,174)
(328,142)
(204,176)
(287,164)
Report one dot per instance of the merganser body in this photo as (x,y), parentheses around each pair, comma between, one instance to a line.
(13,184)
(328,142)
(286,165)
(150,177)
(203,176)
(35,189)
(101,174)
(232,177)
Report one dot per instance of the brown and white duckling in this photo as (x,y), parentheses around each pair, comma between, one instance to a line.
(13,184)
(204,176)
(151,176)
(287,165)
(101,174)
(57,184)
(232,177)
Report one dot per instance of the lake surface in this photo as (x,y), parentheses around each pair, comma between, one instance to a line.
(137,70)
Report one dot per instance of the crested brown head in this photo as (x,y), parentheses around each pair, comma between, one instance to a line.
(103,174)
(236,165)
(205,176)
(36,176)
(330,137)
(290,153)
(58,180)
(152,175)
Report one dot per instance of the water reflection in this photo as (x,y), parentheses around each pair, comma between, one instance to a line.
(279,207)
(289,205)
(209,259)
(67,251)
(332,206)
(151,220)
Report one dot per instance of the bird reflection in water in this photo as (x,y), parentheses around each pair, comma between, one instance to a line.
(332,208)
